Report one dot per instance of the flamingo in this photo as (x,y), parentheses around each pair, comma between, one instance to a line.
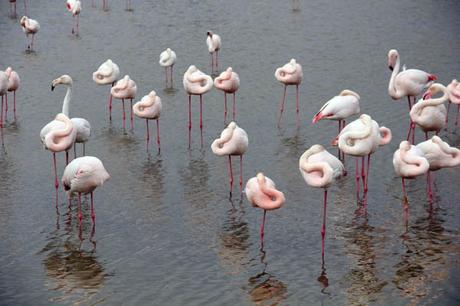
(430,114)
(196,83)
(167,60)
(81,125)
(361,138)
(214,43)
(339,108)
(125,89)
(410,82)
(3,92)
(232,141)
(57,136)
(289,74)
(74,6)
(454,97)
(320,169)
(30,27)
(229,82)
(439,155)
(149,108)
(107,73)
(409,162)
(13,85)
(261,192)
(82,176)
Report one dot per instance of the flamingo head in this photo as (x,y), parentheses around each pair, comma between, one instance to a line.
(432,90)
(69,7)
(392,58)
(209,33)
(8,71)
(63,79)
(335,141)
(319,116)
(23,20)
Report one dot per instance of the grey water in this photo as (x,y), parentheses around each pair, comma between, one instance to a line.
(167,231)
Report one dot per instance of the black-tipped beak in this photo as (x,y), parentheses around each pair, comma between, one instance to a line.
(52,87)
(391,68)
(208,34)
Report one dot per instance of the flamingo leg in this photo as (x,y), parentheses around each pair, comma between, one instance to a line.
(403,181)
(426,135)
(357,177)
(66,157)
(201,119)
(189,120)
(262,226)
(80,215)
(110,106)
(84,149)
(6,106)
(458,110)
(131,124)
(93,214)
(158,135)
(14,104)
(323,229)
(282,105)
(217,60)
(339,153)
(56,182)
(430,191)
(1,115)
(230,173)
(297,99)
(74,150)
(363,172)
(147,139)
(447,115)
(241,173)
(225,108)
(124,114)
(171,74)
(367,172)
(212,62)
(78,24)
(166,76)
(32,44)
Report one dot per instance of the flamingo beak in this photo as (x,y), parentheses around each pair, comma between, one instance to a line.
(427,95)
(52,87)
(390,67)
(335,141)
(317,117)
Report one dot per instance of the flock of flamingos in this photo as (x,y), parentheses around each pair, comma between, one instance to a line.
(319,168)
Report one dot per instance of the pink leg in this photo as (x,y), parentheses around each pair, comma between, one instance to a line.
(124,114)
(458,110)
(110,104)
(166,76)
(212,62)
(217,60)
(225,108)
(367,172)
(131,124)
(148,134)
(404,187)
(297,99)
(357,177)
(56,182)
(241,173)
(171,74)
(426,135)
(234,106)
(66,157)
(262,227)
(230,173)
(339,153)
(323,229)
(282,105)
(73,25)
(14,104)
(32,44)
(363,173)
(430,191)
(80,215)
(78,24)
(74,150)
(1,115)
(158,135)
(6,106)
(201,119)
(189,120)
(93,214)
(447,115)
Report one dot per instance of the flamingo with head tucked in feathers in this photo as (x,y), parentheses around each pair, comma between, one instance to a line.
(149,108)
(290,74)
(454,97)
(229,82)
(214,44)
(106,74)
(167,60)
(125,89)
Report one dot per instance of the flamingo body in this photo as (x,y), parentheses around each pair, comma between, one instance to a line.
(439,154)
(454,92)
(233,141)
(430,114)
(340,107)
(214,42)
(149,107)
(319,168)
(13,79)
(107,73)
(261,192)
(29,25)
(196,82)
(409,161)
(74,6)
(290,74)
(167,58)
(84,174)
(228,81)
(124,89)
(60,134)
(3,83)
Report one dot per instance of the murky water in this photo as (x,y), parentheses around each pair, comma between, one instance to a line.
(166,231)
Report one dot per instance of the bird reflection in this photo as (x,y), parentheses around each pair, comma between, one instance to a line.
(153,179)
(296,5)
(322,278)
(233,251)
(195,179)
(424,261)
(264,288)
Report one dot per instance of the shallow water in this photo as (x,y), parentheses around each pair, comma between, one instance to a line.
(167,231)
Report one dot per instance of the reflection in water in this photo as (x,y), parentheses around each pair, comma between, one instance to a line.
(264,288)
(234,237)
(195,178)
(363,283)
(424,261)
(153,179)
(74,272)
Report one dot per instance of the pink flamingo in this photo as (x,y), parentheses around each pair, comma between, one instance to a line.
(106,74)
(339,108)
(3,92)
(229,82)
(167,60)
(454,97)
(82,176)
(261,192)
(320,169)
(428,113)
(74,6)
(30,27)
(439,155)
(149,108)
(196,83)
(13,85)
(214,43)
(361,138)
(125,89)
(232,141)
(410,82)
(289,74)
(57,136)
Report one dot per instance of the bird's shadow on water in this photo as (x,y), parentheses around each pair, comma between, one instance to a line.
(170,91)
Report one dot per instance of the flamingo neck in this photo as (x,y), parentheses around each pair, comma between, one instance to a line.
(66,102)
(392,90)
(437,101)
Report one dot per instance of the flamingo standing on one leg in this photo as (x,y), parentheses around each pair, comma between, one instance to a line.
(106,74)
(167,60)
(82,176)
(320,169)
(361,138)
(125,89)
(410,82)
(196,83)
(74,6)
(439,155)
(261,192)
(149,108)
(57,136)
(81,125)
(339,108)
(229,82)
(454,97)
(30,27)
(289,74)
(428,113)
(13,85)
(232,141)
(214,43)
(3,92)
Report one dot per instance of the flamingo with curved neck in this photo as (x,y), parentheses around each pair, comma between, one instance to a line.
(196,83)
(454,97)
(229,82)
(320,169)
(214,44)
(106,74)
(30,27)
(149,107)
(261,192)
(290,74)
(232,141)
(167,60)
(430,113)
(13,85)
(125,89)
